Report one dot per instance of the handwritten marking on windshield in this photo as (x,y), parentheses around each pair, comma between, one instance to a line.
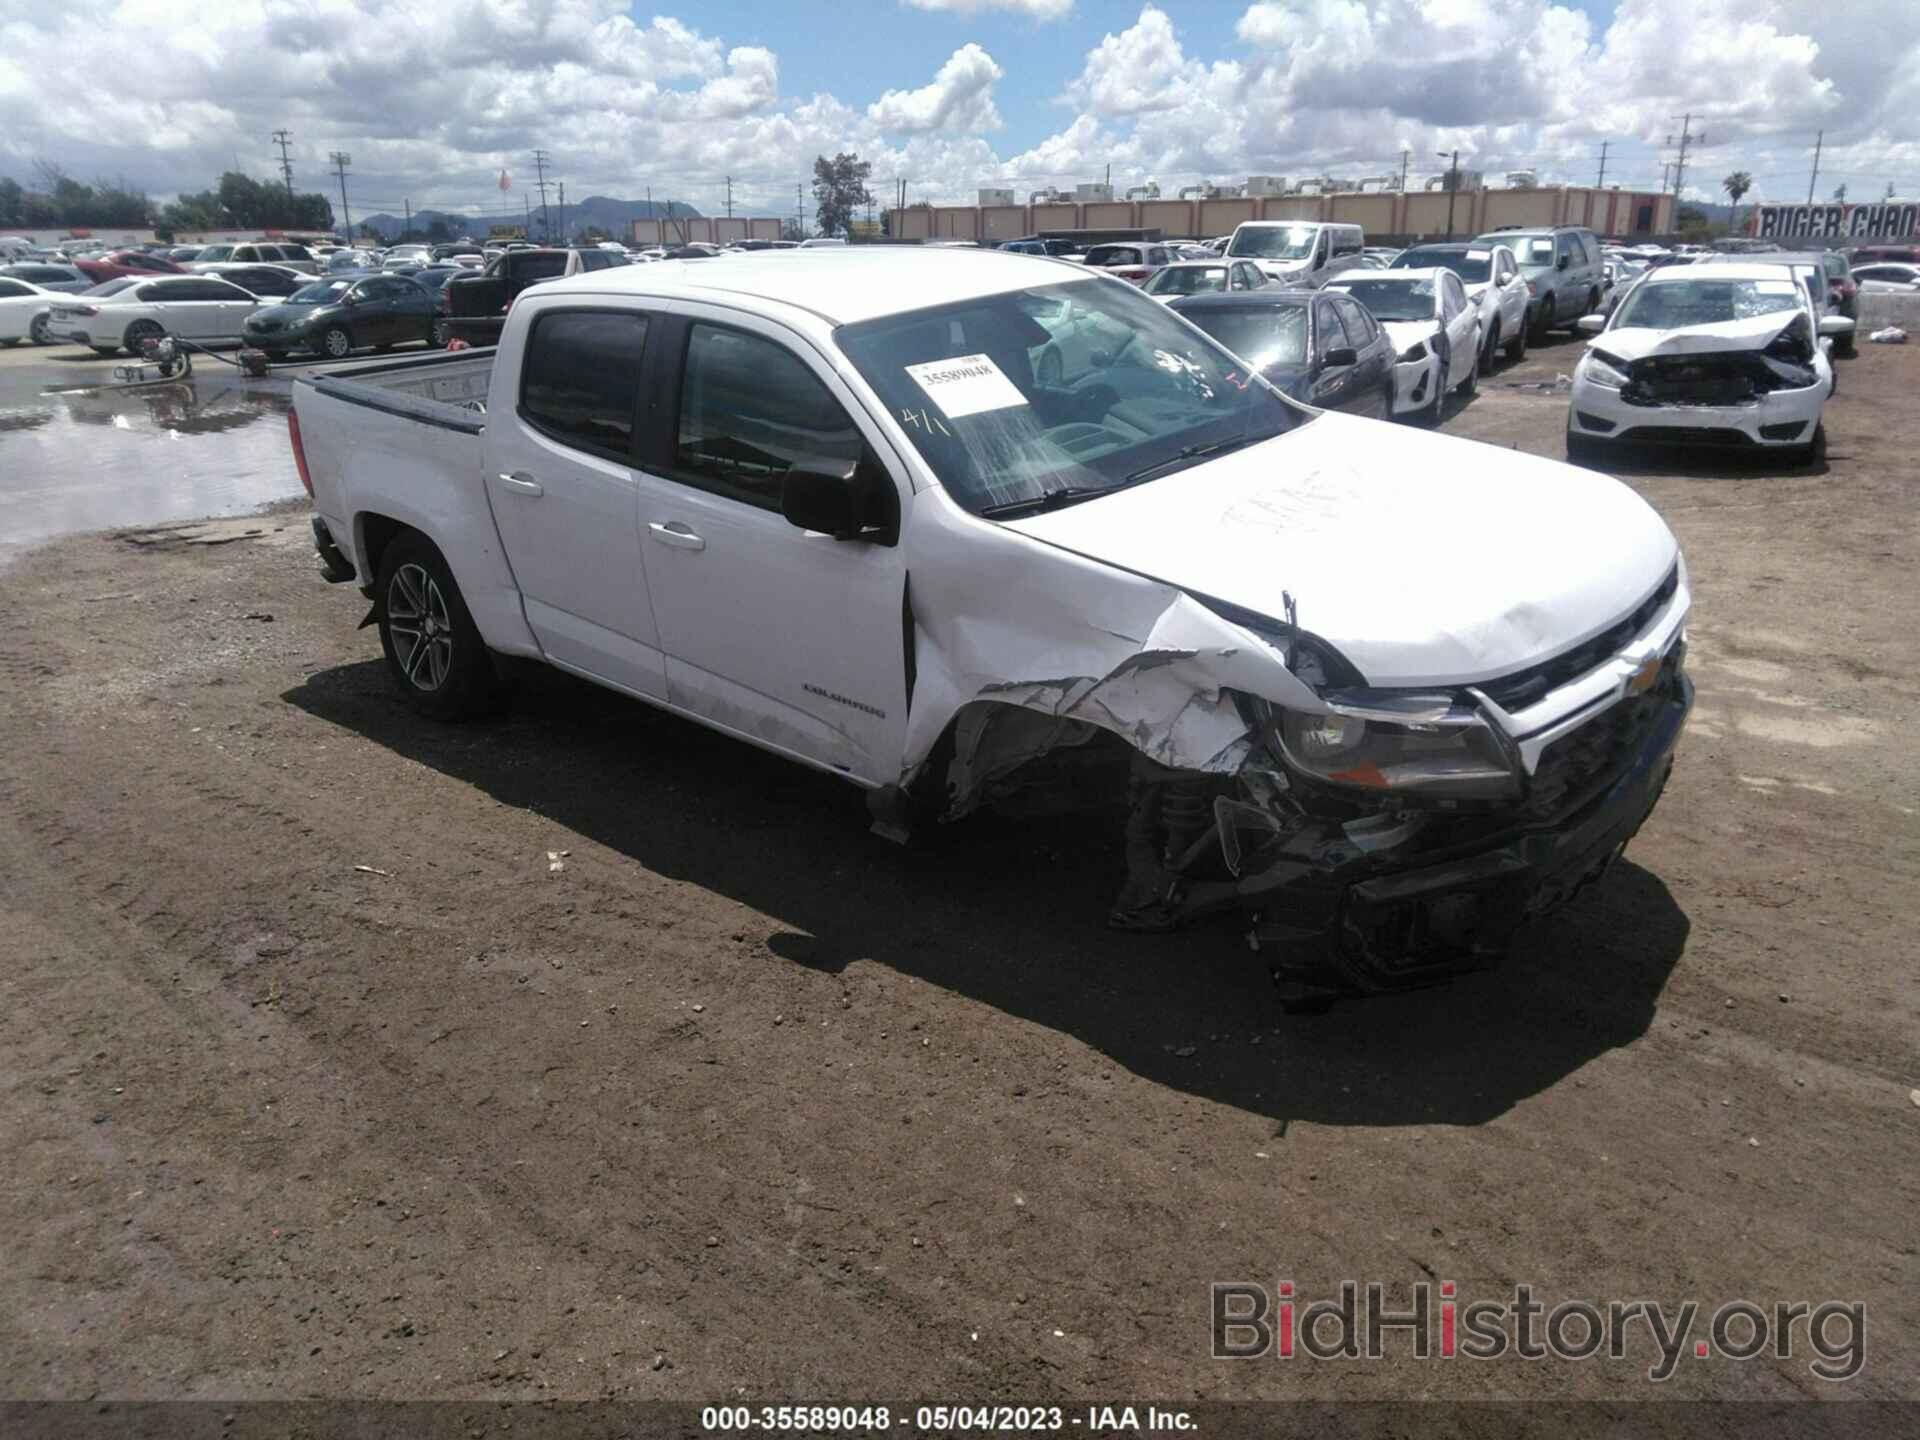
(920,419)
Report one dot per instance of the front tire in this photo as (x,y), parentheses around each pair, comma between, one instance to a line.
(336,343)
(1470,386)
(434,650)
(1813,455)
(1541,318)
(1581,450)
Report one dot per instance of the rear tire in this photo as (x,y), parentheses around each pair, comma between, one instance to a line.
(1517,346)
(434,650)
(136,332)
(38,331)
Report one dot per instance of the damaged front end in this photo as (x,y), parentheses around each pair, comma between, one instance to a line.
(1721,377)
(1367,840)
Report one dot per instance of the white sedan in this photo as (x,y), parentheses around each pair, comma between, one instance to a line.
(1724,355)
(1202,277)
(1888,277)
(202,308)
(24,309)
(1434,329)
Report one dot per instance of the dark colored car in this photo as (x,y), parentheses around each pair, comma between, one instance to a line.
(474,306)
(1304,344)
(49,276)
(1562,267)
(1034,245)
(266,280)
(343,313)
(119,263)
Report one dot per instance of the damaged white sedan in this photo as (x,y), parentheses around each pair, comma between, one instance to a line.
(1350,689)
(1723,356)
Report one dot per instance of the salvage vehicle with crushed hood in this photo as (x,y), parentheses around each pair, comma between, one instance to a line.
(1725,355)
(1369,696)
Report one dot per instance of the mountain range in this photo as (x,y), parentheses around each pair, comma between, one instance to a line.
(601,211)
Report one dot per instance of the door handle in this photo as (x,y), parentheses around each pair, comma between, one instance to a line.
(677,535)
(525,484)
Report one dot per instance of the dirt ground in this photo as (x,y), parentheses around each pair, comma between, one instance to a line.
(322,1079)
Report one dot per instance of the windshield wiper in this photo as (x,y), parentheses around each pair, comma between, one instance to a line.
(1052,500)
(1189,453)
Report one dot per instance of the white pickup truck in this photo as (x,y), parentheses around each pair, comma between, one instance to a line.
(1384,695)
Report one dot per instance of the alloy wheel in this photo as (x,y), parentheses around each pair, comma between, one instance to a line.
(421,628)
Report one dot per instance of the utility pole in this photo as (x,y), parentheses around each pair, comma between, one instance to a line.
(1814,179)
(1453,186)
(282,138)
(524,200)
(540,162)
(729,197)
(799,213)
(1600,182)
(407,204)
(339,159)
(563,212)
(1406,159)
(1687,140)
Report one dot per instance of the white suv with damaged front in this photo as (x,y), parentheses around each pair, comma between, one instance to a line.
(1370,696)
(1716,356)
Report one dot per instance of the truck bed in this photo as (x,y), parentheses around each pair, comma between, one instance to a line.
(447,389)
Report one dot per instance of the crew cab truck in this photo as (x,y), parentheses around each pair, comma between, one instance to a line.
(1378,695)
(475,306)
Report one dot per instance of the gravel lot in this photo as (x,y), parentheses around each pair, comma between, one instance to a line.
(322,1078)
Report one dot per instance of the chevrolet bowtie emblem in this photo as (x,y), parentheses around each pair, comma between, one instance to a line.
(1644,677)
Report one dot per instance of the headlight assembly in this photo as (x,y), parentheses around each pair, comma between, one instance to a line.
(1601,370)
(1394,744)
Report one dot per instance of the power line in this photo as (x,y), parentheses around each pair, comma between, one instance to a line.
(280,138)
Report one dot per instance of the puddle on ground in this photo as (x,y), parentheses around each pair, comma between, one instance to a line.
(106,456)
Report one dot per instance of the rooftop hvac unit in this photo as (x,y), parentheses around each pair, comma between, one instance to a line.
(1203,191)
(1046,195)
(1523,180)
(996,197)
(1378,184)
(1093,191)
(1261,186)
(1148,191)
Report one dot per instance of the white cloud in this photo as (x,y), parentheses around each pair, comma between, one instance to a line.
(1037,9)
(434,104)
(959,99)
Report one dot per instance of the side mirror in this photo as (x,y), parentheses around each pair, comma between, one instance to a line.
(1563,262)
(1835,325)
(1590,324)
(1342,355)
(857,503)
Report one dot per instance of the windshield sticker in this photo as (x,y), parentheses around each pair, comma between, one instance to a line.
(966,385)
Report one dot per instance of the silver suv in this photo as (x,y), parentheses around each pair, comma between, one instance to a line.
(1563,269)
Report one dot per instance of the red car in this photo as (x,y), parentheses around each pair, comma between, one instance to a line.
(127,262)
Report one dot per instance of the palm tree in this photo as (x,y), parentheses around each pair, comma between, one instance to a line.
(1736,185)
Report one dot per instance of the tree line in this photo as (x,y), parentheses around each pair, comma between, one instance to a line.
(55,200)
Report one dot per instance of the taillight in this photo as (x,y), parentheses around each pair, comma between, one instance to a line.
(299,452)
(86,310)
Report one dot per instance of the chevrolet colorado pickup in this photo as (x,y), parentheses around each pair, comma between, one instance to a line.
(1381,695)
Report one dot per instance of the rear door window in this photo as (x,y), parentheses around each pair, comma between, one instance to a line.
(580,380)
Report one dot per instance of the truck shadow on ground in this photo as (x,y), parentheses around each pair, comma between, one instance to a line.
(1011,914)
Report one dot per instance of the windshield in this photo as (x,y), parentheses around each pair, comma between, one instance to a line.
(320,292)
(1274,242)
(1265,336)
(1187,280)
(1676,304)
(1066,391)
(1472,266)
(1110,255)
(215,252)
(1527,249)
(1393,299)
